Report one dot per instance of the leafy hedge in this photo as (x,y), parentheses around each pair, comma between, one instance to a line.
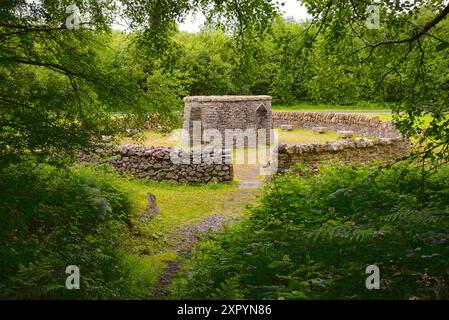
(314,236)
(52,218)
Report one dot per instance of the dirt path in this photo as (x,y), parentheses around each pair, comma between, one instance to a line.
(185,238)
(161,289)
(247,176)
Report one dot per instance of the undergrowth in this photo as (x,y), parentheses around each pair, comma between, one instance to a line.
(312,237)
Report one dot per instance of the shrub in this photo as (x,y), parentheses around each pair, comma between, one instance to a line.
(52,218)
(314,236)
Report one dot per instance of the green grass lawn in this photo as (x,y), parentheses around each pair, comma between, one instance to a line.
(389,117)
(371,111)
(246,170)
(146,270)
(304,136)
(156,240)
(185,204)
(154,138)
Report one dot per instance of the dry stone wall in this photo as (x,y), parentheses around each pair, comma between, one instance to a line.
(360,124)
(388,146)
(231,112)
(359,150)
(155,163)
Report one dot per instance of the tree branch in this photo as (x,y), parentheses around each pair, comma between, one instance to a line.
(427,27)
(52,66)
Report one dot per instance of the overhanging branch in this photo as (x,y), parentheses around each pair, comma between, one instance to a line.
(427,27)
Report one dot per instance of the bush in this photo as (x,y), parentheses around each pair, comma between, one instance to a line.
(314,236)
(52,218)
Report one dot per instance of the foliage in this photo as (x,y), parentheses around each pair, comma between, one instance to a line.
(312,237)
(64,89)
(53,218)
(183,206)
(335,59)
(402,61)
(60,85)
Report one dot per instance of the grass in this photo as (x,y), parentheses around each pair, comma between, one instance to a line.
(155,241)
(389,116)
(146,270)
(304,136)
(352,110)
(153,138)
(185,204)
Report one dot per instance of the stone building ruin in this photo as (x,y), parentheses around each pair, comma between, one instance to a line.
(225,113)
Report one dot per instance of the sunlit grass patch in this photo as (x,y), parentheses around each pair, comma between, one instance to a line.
(304,136)
(185,204)
(153,138)
(180,206)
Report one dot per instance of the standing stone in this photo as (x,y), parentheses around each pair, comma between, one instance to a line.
(153,209)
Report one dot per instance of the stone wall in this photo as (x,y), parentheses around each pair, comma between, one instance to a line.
(229,112)
(359,150)
(363,125)
(155,163)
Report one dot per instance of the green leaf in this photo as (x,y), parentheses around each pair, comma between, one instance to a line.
(276,264)
(442,46)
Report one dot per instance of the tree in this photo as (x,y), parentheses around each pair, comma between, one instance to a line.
(58,91)
(406,56)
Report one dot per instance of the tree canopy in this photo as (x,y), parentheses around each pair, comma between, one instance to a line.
(63,88)
(60,84)
(406,55)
